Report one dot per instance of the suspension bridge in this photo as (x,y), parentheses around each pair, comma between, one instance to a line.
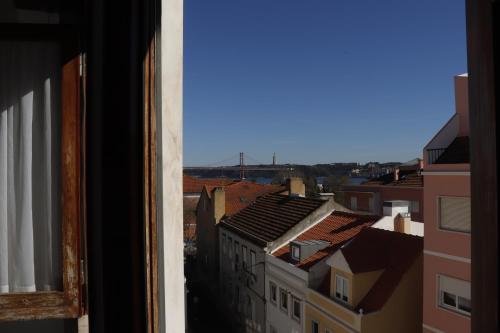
(242,167)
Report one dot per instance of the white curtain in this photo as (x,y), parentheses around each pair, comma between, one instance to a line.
(30,227)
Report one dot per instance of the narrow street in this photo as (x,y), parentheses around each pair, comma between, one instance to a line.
(202,314)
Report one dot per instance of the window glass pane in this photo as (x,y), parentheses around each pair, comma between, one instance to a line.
(315,327)
(449,299)
(464,304)
(296,308)
(283,299)
(345,288)
(30,194)
(296,252)
(272,291)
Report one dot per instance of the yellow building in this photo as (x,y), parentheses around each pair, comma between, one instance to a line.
(374,285)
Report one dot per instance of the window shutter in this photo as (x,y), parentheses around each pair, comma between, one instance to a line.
(454,213)
(455,286)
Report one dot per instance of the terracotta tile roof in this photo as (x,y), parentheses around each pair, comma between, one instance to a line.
(195,185)
(375,249)
(190,218)
(270,216)
(337,229)
(457,152)
(240,194)
(406,178)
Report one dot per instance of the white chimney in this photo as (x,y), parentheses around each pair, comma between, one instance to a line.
(396,174)
(394,207)
(402,223)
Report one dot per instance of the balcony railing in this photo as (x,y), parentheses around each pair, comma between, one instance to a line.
(434,154)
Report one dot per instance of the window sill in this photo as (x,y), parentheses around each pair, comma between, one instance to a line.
(455,311)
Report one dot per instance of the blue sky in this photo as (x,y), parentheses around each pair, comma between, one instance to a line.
(318,81)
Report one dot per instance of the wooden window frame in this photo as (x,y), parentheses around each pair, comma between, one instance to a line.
(66,303)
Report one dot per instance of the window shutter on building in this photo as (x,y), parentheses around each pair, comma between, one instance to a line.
(454,213)
(455,286)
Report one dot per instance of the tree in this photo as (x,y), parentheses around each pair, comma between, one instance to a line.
(334,184)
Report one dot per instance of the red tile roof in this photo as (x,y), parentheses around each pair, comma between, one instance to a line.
(376,249)
(271,216)
(337,229)
(195,185)
(240,194)
(409,178)
(190,204)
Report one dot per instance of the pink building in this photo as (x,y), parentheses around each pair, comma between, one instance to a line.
(447,223)
(405,183)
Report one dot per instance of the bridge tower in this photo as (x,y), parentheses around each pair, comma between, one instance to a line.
(242,165)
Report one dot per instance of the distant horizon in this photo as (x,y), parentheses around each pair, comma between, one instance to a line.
(270,164)
(318,81)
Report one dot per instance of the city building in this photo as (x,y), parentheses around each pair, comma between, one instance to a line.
(216,203)
(447,246)
(245,239)
(192,188)
(404,183)
(374,285)
(398,218)
(300,264)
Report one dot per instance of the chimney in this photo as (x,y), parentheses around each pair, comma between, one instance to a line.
(219,202)
(396,174)
(402,223)
(394,207)
(462,103)
(296,187)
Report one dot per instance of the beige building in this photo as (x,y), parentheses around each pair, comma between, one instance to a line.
(374,285)
(215,203)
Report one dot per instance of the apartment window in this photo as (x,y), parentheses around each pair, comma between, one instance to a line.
(284,300)
(40,159)
(252,262)
(414,206)
(454,213)
(314,326)
(354,203)
(371,208)
(244,255)
(236,255)
(454,294)
(341,288)
(296,308)
(273,292)
(295,252)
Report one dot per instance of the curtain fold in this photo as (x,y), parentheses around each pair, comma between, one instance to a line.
(30,228)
